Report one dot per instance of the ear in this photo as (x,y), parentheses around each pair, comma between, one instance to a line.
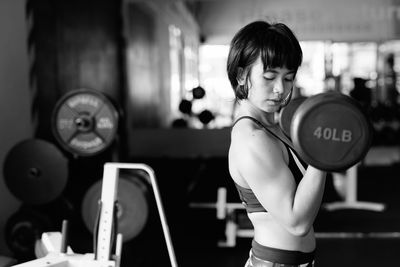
(241,76)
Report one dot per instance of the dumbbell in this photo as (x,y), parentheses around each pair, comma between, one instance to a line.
(328,130)
(205,116)
(286,114)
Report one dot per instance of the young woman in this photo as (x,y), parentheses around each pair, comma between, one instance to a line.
(281,194)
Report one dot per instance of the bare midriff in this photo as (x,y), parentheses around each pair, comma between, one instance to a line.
(268,232)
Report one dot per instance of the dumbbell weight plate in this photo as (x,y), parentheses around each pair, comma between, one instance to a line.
(286,114)
(85,122)
(330,131)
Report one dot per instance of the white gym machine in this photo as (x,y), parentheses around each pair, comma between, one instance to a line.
(55,246)
(349,181)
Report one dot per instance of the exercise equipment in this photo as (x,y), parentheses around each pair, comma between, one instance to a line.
(349,179)
(329,131)
(185,106)
(198,92)
(107,249)
(23,229)
(206,116)
(53,242)
(85,122)
(286,114)
(25,226)
(35,171)
(180,123)
(237,223)
(132,204)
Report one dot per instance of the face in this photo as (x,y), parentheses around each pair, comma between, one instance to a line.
(268,88)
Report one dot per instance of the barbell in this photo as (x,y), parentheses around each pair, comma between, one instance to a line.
(328,130)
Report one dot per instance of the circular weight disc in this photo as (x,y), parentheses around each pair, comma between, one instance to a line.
(330,132)
(22,230)
(132,206)
(105,124)
(286,114)
(85,122)
(35,171)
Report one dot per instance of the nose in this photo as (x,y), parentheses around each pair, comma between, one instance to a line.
(278,87)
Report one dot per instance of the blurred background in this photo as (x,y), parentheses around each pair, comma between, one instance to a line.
(148,80)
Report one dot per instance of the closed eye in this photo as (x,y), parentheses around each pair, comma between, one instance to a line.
(290,77)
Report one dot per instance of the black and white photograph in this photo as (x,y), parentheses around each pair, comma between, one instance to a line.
(191,133)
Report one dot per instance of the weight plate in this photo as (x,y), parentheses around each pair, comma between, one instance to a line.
(132,205)
(23,229)
(85,122)
(286,114)
(330,131)
(35,171)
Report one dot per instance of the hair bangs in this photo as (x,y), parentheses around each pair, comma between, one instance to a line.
(280,52)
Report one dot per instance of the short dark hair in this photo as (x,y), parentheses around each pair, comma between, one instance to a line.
(274,42)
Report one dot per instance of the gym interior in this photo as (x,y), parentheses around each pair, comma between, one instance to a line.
(144,83)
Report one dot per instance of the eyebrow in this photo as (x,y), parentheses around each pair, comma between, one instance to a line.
(274,71)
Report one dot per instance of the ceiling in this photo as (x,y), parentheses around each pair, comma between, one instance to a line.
(339,20)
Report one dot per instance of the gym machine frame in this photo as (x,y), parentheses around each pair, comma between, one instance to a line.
(60,255)
(350,197)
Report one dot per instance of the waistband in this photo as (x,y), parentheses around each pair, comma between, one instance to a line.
(280,255)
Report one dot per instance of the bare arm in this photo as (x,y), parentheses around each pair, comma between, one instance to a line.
(260,161)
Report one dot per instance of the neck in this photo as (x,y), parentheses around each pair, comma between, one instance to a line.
(247,108)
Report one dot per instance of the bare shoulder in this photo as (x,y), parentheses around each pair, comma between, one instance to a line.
(251,147)
(248,137)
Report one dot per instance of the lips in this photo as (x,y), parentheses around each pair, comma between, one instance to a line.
(276,100)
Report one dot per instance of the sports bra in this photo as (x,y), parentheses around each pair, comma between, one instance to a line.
(249,200)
